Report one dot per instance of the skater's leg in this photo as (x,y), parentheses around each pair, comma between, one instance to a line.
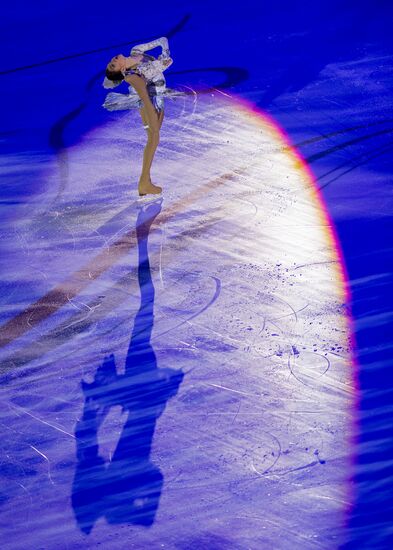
(153,137)
(160,118)
(144,119)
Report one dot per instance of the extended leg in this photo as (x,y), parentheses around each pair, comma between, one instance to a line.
(160,118)
(145,185)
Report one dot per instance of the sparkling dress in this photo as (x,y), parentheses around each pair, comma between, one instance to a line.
(151,70)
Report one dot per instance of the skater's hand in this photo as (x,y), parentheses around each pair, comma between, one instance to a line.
(167,62)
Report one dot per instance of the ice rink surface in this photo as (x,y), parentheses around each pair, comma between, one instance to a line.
(209,369)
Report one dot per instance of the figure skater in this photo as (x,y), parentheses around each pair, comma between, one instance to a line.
(147,89)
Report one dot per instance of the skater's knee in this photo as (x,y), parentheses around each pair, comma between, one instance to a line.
(154,135)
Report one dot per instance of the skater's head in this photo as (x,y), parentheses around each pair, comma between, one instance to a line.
(115,68)
(114,76)
(117,63)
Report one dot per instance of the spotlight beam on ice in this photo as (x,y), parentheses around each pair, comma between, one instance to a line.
(251,303)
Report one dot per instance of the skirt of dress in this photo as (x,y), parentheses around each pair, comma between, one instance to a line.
(157,93)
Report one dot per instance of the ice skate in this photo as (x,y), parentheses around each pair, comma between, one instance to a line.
(148,189)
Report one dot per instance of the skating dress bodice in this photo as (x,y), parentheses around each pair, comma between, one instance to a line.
(152,69)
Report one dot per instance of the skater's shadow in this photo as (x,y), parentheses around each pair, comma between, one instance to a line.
(127,489)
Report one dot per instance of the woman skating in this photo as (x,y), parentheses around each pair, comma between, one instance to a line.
(147,89)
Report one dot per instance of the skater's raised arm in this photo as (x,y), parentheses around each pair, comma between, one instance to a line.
(163,42)
(163,61)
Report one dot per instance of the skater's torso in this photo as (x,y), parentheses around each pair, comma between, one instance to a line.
(149,68)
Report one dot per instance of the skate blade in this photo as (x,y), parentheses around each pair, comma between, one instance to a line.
(144,199)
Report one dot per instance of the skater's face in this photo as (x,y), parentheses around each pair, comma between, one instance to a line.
(117,63)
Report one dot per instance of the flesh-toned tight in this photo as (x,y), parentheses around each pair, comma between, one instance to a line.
(151,144)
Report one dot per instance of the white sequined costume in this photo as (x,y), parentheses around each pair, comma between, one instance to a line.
(151,70)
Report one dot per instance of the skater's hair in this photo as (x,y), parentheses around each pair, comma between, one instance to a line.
(114,76)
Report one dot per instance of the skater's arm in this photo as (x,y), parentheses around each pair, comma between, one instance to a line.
(164,59)
(139,85)
(163,42)
(167,62)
